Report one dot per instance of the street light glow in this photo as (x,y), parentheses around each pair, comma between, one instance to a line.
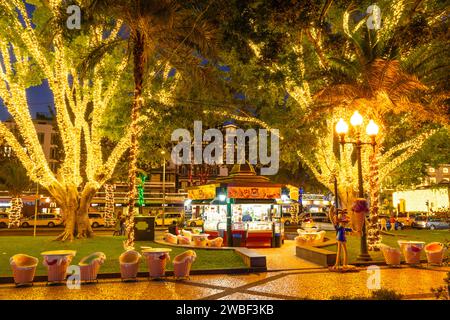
(341,127)
(372,129)
(356,120)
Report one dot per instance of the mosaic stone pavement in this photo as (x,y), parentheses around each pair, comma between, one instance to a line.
(307,283)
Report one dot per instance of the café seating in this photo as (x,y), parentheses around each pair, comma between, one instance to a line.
(217,242)
(24,268)
(182,264)
(186,233)
(90,265)
(129,264)
(435,252)
(170,238)
(183,240)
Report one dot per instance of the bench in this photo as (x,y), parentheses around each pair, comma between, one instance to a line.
(318,256)
(251,258)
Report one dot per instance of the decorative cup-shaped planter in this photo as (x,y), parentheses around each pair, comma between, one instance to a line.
(182,264)
(359,209)
(157,264)
(24,268)
(57,268)
(129,270)
(129,264)
(435,252)
(392,256)
(412,250)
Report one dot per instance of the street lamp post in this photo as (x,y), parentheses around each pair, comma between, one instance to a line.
(164,188)
(372,130)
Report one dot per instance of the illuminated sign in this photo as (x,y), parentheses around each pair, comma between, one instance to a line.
(254,192)
(202,192)
(313,197)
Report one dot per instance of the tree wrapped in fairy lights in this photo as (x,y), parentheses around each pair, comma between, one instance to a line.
(110,220)
(80,102)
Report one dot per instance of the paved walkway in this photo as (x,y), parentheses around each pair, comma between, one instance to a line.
(292,278)
(311,283)
(284,258)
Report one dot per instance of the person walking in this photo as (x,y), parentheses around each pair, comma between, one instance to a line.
(392,221)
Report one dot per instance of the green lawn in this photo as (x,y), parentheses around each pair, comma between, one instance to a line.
(111,246)
(353,243)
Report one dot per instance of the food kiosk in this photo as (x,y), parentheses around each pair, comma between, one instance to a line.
(243,208)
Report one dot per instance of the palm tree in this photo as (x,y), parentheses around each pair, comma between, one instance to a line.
(171,32)
(15,179)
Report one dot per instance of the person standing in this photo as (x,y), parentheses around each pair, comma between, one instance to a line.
(122,225)
(383,223)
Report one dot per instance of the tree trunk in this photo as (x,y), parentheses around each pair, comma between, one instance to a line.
(139,63)
(15,212)
(110,220)
(346,197)
(75,207)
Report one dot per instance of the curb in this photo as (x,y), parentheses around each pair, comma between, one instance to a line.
(142,274)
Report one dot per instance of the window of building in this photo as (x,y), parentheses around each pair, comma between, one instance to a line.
(54,153)
(54,166)
(445,180)
(445,170)
(41,137)
(54,139)
(433,180)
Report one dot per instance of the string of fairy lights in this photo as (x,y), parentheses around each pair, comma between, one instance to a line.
(15,212)
(71,97)
(110,219)
(373,230)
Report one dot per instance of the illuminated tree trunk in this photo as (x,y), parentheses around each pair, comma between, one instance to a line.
(373,232)
(15,212)
(139,63)
(109,205)
(346,196)
(75,207)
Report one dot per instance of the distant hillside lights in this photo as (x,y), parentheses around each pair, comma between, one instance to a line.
(213,153)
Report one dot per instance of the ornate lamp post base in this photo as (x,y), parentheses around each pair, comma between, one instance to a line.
(364,257)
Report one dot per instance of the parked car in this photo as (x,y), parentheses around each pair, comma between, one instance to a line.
(405,219)
(430,223)
(43,220)
(288,219)
(4,220)
(169,218)
(96,219)
(195,222)
(321,222)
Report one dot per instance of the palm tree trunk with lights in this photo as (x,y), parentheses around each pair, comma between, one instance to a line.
(139,63)
(373,232)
